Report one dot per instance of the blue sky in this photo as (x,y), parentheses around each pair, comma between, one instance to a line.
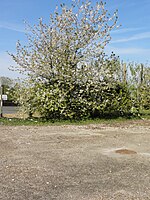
(131,41)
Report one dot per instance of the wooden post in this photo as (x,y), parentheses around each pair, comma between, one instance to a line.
(140,86)
(125,73)
(141,74)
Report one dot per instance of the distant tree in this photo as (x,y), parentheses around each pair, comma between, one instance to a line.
(8,87)
(6,81)
(139,85)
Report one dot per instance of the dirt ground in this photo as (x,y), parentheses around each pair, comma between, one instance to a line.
(92,162)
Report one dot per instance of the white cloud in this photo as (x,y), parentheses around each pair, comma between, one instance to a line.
(137,51)
(125,30)
(140,36)
(13,27)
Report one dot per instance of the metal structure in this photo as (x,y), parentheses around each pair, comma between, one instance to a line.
(1,99)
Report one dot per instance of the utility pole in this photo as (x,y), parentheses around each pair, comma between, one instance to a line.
(1,99)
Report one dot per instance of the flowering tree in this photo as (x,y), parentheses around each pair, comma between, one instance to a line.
(73,36)
(61,79)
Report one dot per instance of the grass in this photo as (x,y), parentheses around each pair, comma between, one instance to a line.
(43,122)
(145,114)
(21,120)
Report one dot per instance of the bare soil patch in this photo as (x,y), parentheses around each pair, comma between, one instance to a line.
(125,151)
(91,162)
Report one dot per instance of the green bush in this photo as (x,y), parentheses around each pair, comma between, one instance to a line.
(68,100)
